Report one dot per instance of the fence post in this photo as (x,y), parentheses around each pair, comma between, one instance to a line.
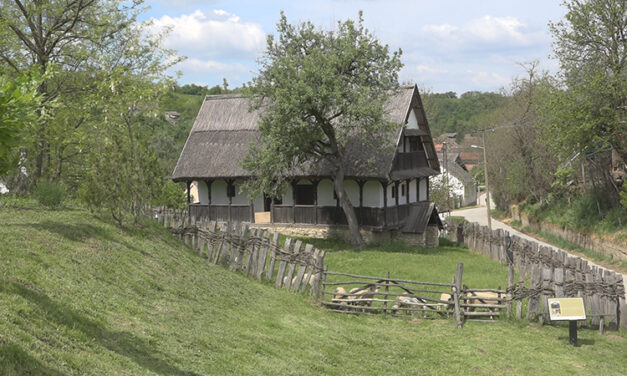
(456,294)
(387,289)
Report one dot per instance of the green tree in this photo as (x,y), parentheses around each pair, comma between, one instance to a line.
(70,43)
(18,104)
(585,110)
(318,89)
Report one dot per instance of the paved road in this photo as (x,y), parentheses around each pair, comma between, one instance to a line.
(479,215)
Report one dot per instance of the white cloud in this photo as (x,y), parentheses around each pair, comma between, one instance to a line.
(488,79)
(212,35)
(482,33)
(210,66)
(421,68)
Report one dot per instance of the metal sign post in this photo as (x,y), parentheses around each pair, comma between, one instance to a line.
(568,309)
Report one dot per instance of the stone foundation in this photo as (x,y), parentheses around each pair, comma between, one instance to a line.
(429,239)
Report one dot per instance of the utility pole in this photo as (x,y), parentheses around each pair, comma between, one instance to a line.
(446,181)
(487,186)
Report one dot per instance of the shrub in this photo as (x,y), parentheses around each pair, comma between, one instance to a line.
(172,195)
(50,195)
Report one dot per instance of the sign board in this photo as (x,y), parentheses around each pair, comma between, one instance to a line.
(566,309)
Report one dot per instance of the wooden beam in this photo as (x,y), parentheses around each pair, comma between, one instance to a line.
(385,201)
(315,183)
(189,196)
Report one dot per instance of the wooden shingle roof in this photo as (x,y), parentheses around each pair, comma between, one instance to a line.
(225,126)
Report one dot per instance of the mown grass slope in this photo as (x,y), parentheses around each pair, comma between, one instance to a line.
(79,295)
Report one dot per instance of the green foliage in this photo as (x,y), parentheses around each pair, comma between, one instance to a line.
(590,211)
(448,113)
(584,110)
(172,195)
(318,89)
(18,102)
(50,194)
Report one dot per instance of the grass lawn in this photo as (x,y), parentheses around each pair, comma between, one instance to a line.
(81,296)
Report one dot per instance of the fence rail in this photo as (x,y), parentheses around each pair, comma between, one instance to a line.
(544,272)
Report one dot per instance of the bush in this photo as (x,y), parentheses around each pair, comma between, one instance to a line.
(172,195)
(50,195)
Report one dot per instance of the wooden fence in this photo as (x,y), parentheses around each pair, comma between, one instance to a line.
(385,295)
(256,253)
(545,272)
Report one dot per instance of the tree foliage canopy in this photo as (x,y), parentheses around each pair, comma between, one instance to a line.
(317,89)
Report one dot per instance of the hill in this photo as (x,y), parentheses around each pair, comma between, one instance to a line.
(79,295)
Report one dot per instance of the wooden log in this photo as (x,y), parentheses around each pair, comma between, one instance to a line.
(547,279)
(300,273)
(611,300)
(387,289)
(226,245)
(456,292)
(310,273)
(292,265)
(211,234)
(274,246)
(496,291)
(558,280)
(536,284)
(621,309)
(263,254)
(392,280)
(283,263)
(597,308)
(322,278)
(471,314)
(237,234)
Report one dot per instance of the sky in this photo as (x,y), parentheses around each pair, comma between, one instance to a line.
(459,46)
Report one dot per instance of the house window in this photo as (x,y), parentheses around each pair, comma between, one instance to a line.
(304,194)
(230,190)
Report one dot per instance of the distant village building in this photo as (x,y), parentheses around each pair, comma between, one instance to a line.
(172,116)
(461,184)
(389,190)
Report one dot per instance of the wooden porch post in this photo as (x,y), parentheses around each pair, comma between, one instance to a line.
(294,201)
(209,182)
(252,211)
(417,189)
(315,197)
(229,187)
(397,193)
(385,202)
(407,191)
(189,195)
(361,201)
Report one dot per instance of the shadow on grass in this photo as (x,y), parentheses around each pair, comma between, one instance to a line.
(123,343)
(15,361)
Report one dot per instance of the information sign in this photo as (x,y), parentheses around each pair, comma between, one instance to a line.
(566,309)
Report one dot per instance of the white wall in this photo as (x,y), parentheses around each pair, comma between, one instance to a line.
(412,191)
(352,190)
(287,197)
(424,185)
(391,200)
(412,121)
(218,193)
(373,194)
(325,193)
(202,193)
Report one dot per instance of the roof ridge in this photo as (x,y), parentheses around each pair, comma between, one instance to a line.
(224,96)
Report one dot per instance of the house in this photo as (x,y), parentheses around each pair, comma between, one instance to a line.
(389,190)
(460,182)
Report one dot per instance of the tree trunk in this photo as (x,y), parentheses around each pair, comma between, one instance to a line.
(353,226)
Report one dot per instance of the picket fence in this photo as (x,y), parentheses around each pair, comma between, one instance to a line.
(253,252)
(545,272)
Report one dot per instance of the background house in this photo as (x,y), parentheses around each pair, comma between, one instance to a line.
(388,187)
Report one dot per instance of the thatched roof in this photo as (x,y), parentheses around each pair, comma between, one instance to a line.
(225,127)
